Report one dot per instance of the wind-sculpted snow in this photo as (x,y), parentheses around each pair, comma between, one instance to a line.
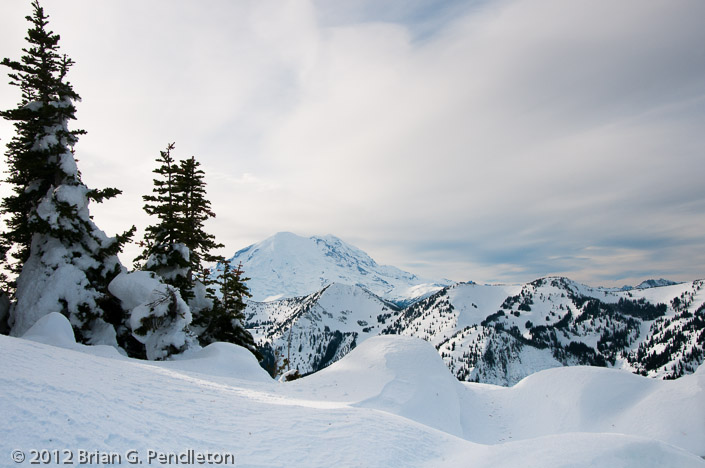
(399,375)
(220,359)
(389,403)
(55,329)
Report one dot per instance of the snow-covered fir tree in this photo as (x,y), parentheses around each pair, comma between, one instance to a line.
(63,261)
(162,324)
(177,248)
(159,318)
(224,321)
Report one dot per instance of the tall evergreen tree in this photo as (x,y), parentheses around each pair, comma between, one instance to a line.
(63,260)
(34,153)
(164,252)
(195,211)
(177,245)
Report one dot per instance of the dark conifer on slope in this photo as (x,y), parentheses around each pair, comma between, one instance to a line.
(164,250)
(30,156)
(177,245)
(176,248)
(224,321)
(63,260)
(196,210)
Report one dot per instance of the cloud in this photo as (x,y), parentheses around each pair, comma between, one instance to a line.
(496,141)
(530,130)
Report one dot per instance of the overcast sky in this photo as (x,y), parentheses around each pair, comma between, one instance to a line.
(494,141)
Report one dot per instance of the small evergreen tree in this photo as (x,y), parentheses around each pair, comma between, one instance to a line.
(162,324)
(63,260)
(224,321)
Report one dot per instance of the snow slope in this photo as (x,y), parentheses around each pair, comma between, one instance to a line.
(313,331)
(502,333)
(286,265)
(390,402)
(499,334)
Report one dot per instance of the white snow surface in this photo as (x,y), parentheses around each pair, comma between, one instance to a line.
(390,402)
(286,265)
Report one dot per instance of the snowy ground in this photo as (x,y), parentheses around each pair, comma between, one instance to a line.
(389,403)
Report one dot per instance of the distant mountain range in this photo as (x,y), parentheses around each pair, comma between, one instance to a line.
(652,283)
(487,333)
(286,265)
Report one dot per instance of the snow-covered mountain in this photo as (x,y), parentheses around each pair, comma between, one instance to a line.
(390,402)
(500,333)
(286,265)
(655,283)
(649,283)
(313,331)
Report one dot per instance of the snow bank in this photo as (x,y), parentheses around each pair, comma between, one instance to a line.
(222,360)
(406,377)
(59,400)
(590,400)
(396,374)
(53,329)
(56,330)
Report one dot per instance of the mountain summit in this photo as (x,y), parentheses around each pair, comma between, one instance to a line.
(287,265)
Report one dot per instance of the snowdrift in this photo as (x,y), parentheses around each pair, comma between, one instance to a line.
(220,359)
(406,377)
(391,402)
(598,400)
(400,375)
(55,329)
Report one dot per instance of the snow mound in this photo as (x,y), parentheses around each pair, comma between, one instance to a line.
(581,451)
(396,374)
(53,329)
(62,400)
(56,330)
(221,360)
(590,400)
